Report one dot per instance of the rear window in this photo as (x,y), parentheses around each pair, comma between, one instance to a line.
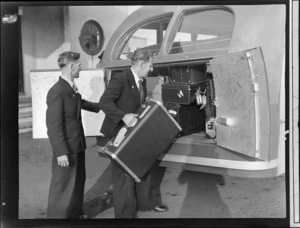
(147,36)
(203,31)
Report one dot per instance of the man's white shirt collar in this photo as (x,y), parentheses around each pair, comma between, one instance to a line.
(68,80)
(136,78)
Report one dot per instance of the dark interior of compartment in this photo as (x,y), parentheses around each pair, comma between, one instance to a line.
(190,117)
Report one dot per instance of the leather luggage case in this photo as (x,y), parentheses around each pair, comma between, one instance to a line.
(189,74)
(179,93)
(136,148)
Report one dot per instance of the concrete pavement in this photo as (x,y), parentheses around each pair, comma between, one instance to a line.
(188,194)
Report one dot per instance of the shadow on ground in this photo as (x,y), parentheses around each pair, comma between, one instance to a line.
(96,199)
(99,197)
(208,185)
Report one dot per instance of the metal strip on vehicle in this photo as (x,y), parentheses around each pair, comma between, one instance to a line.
(221,163)
(256,103)
(113,156)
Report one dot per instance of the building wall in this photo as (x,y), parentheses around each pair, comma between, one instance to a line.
(43,38)
(109,17)
(50,30)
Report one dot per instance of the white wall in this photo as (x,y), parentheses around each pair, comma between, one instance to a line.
(49,30)
(90,85)
(109,17)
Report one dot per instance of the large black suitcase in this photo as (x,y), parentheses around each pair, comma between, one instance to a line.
(188,74)
(179,93)
(136,148)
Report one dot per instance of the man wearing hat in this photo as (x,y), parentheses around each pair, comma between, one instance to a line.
(66,136)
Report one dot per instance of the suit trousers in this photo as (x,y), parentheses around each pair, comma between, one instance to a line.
(129,196)
(67,188)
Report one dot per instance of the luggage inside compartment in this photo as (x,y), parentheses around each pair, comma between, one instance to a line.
(181,93)
(189,74)
(181,98)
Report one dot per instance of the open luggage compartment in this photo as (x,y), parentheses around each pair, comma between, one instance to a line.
(181,88)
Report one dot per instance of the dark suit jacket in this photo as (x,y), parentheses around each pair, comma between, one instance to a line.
(63,118)
(120,97)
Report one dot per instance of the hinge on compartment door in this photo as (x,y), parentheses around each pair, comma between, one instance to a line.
(214,102)
(254,87)
(252,71)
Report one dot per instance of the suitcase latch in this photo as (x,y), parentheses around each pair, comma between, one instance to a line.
(180,94)
(121,135)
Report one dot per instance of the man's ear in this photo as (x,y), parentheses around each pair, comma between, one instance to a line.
(142,63)
(71,66)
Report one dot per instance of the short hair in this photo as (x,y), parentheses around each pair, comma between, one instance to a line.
(67,57)
(141,54)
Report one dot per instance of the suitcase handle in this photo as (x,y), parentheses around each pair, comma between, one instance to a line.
(132,123)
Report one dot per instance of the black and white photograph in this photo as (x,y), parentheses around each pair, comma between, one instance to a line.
(146,113)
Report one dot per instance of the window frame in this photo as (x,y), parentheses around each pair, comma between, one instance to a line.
(179,23)
(129,33)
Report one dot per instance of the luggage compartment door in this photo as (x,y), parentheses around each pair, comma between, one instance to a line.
(242,103)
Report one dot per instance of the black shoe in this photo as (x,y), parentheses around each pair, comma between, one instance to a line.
(83,216)
(108,199)
(161,208)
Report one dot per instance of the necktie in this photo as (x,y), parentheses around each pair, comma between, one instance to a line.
(141,91)
(75,87)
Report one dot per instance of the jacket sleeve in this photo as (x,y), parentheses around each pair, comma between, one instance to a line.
(108,100)
(54,122)
(90,106)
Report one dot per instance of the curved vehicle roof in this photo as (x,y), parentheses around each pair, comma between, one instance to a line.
(249,32)
(141,15)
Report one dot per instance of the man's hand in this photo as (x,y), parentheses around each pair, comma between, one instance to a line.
(130,119)
(63,161)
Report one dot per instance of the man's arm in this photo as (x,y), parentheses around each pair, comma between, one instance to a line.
(90,106)
(107,101)
(54,122)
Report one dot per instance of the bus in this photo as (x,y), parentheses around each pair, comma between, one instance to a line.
(237,55)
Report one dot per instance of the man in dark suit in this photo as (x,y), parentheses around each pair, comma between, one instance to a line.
(123,96)
(65,131)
